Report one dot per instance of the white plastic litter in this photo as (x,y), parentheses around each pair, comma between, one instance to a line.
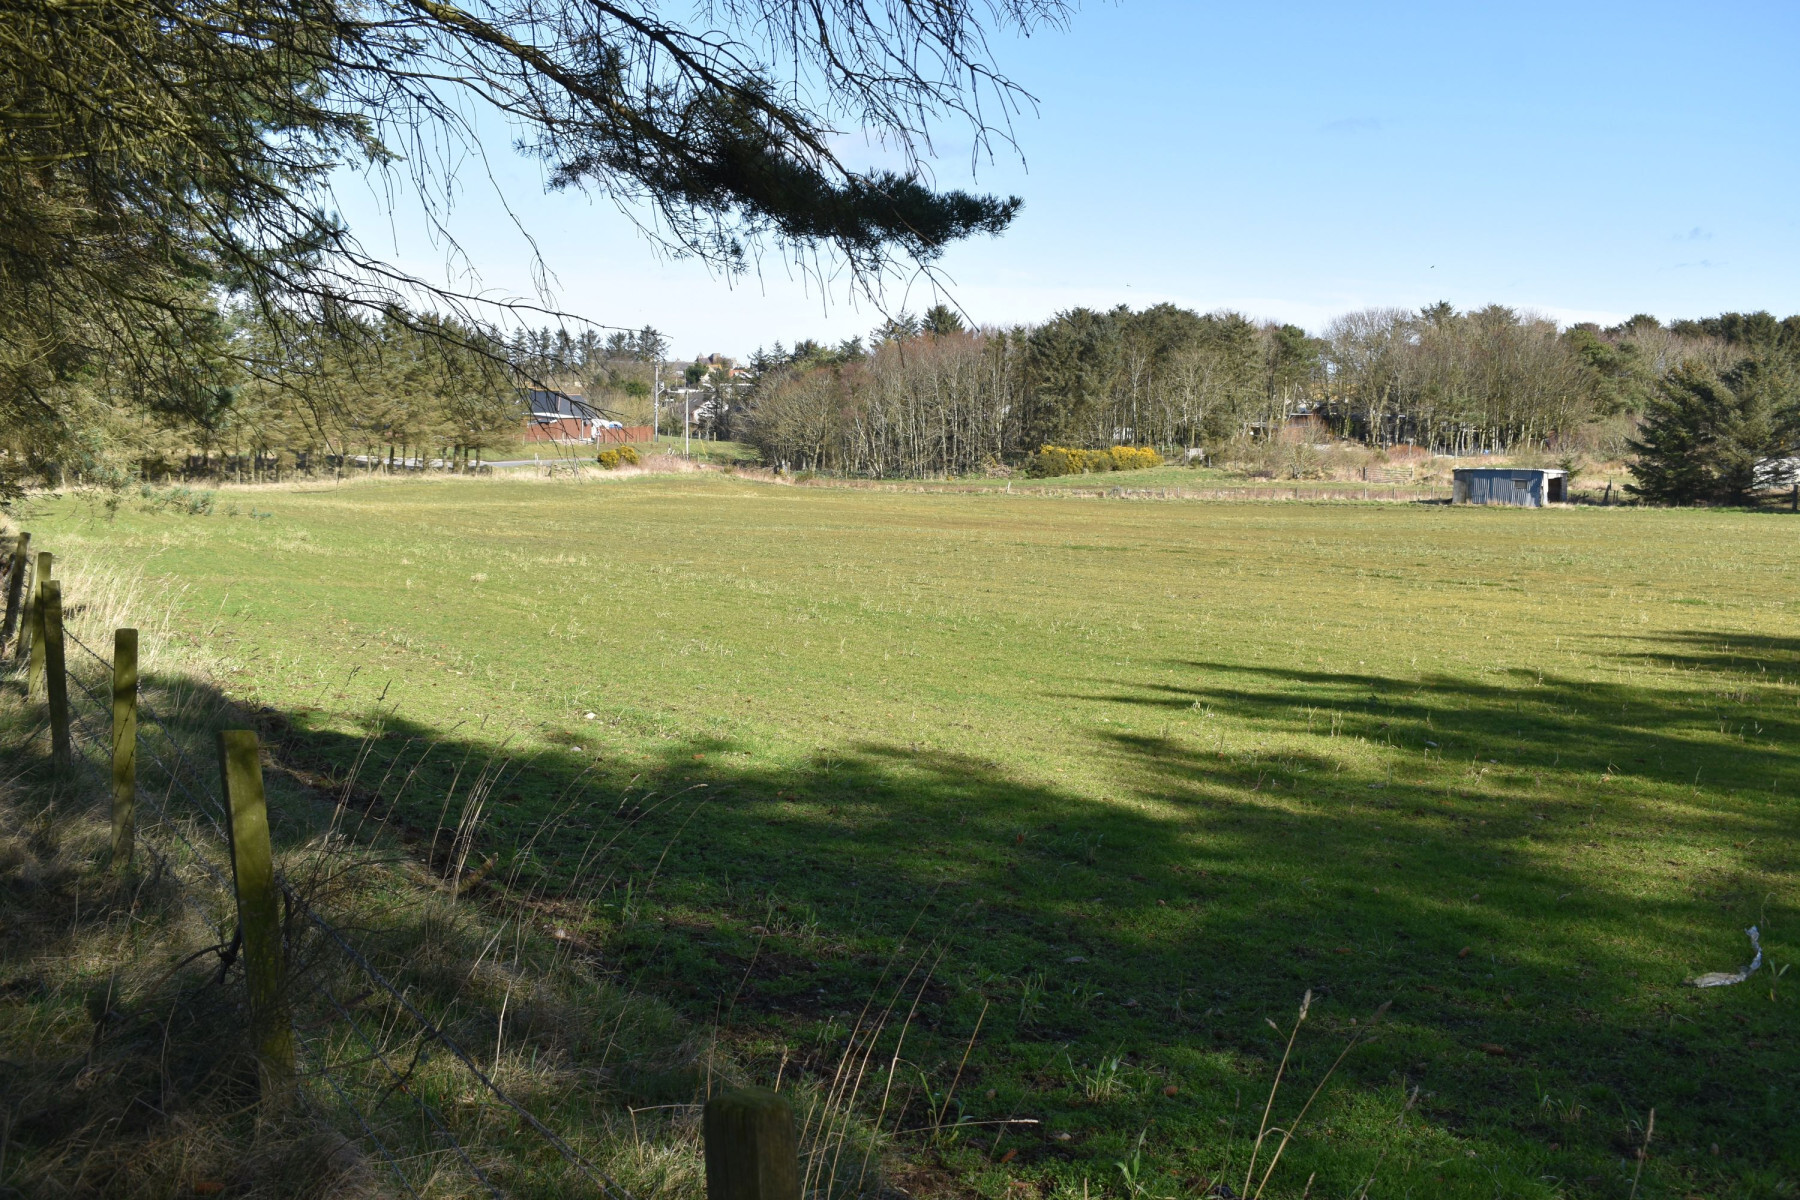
(1723,978)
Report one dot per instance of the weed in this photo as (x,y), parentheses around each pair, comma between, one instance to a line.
(1131,1169)
(1098,1083)
(1031,997)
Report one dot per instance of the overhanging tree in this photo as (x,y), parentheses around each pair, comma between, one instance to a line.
(157,155)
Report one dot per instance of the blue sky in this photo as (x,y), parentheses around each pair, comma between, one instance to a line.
(1588,161)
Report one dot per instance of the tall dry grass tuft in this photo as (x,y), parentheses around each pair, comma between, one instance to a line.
(1264,1128)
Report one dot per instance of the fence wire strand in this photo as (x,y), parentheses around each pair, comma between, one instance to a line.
(399,1078)
(102,780)
(369,1132)
(599,1178)
(162,862)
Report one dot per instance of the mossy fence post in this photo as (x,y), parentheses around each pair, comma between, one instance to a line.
(259,914)
(33,639)
(124,746)
(15,588)
(56,679)
(751,1150)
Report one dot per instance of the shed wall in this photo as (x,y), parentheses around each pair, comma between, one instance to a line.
(1524,488)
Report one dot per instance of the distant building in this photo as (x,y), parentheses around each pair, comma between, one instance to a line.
(1527,487)
(554,416)
(1305,424)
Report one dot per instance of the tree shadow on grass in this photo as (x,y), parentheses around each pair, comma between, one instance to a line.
(1766,658)
(1535,976)
(1538,720)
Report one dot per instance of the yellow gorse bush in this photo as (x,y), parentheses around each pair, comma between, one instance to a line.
(1071,460)
(1134,458)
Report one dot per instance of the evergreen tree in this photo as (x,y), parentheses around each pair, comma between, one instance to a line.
(1674,445)
(1712,438)
(941,319)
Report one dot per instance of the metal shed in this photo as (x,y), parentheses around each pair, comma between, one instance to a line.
(1526,487)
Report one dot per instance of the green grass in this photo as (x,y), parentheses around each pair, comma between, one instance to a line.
(1131,778)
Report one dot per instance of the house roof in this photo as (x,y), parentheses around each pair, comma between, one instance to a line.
(548,404)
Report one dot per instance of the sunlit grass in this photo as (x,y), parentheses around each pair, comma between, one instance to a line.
(1139,774)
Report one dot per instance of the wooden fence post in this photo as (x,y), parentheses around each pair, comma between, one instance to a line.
(15,588)
(259,915)
(751,1150)
(56,679)
(124,746)
(33,637)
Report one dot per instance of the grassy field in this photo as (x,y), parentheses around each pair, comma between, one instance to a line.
(1099,790)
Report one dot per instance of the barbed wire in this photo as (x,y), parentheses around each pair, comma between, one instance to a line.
(369,1132)
(147,718)
(162,861)
(594,1174)
(101,780)
(400,1077)
(162,818)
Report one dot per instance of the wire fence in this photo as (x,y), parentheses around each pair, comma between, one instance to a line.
(186,784)
(309,1048)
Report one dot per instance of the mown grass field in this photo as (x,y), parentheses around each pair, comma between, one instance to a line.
(1117,781)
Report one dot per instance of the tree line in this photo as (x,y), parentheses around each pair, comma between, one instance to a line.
(927,396)
(356,391)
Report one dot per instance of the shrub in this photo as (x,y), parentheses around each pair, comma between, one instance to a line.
(179,499)
(609,459)
(1134,458)
(629,455)
(1052,461)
